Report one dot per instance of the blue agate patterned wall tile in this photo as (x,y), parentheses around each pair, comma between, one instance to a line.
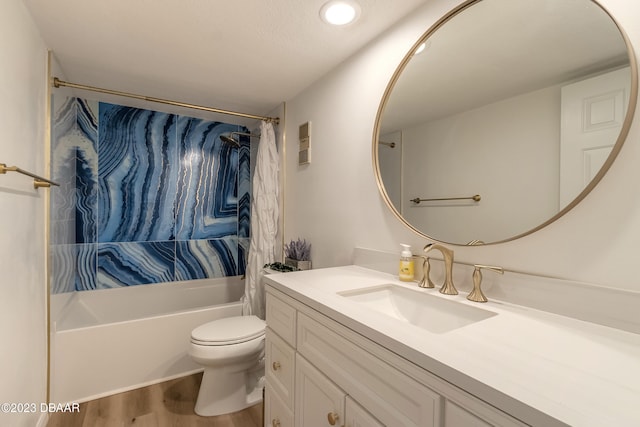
(73,267)
(63,171)
(63,268)
(87,120)
(135,263)
(137,174)
(86,198)
(243,253)
(244,215)
(74,165)
(86,268)
(73,204)
(207,205)
(200,259)
(244,187)
(86,172)
(136,180)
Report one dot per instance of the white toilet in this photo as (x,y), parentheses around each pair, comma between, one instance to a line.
(232,353)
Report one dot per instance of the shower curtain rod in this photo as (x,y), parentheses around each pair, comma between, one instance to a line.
(58,83)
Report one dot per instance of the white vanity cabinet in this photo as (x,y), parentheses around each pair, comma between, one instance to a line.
(298,394)
(320,373)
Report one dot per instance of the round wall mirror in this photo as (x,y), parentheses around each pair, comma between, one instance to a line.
(503,116)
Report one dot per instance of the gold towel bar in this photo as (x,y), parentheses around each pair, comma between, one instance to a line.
(38,181)
(388,144)
(475,198)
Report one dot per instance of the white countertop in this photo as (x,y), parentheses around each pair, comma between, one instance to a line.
(523,361)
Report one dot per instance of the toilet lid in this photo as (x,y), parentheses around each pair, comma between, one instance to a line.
(230,330)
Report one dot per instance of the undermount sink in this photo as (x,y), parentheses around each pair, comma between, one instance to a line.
(429,312)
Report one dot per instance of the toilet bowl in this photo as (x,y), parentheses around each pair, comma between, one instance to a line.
(232,353)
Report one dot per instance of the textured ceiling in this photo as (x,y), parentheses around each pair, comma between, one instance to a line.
(243,55)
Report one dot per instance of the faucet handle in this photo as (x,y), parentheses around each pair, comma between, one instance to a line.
(476,294)
(426,280)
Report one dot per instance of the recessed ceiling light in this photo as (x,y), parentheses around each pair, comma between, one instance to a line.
(340,12)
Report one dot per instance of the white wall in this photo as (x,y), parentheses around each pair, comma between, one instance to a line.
(391,167)
(334,201)
(23,334)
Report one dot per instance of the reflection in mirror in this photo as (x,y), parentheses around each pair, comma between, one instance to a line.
(525,103)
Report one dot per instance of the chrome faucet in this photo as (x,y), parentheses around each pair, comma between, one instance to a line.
(447,287)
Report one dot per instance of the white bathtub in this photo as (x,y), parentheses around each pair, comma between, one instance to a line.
(108,341)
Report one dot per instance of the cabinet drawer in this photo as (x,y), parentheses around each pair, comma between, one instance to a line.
(391,396)
(280,366)
(276,413)
(319,402)
(281,318)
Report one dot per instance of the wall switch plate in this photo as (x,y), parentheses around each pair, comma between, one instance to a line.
(304,157)
(304,137)
(304,131)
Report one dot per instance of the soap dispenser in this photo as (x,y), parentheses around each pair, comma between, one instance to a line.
(406,271)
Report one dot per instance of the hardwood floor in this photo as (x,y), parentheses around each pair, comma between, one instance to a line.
(168,404)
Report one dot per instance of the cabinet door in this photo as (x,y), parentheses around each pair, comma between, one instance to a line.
(280,366)
(318,401)
(357,416)
(276,413)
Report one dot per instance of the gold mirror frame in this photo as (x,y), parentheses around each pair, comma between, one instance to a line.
(603,170)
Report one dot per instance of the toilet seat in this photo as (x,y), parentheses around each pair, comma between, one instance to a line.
(229,330)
